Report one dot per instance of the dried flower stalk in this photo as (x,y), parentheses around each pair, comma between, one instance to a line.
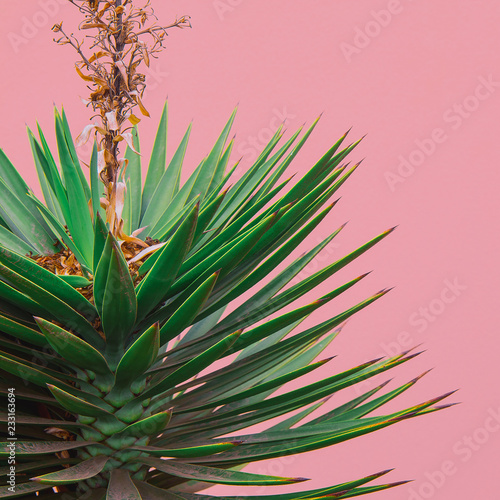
(122,37)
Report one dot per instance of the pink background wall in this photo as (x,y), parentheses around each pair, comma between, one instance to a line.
(412,75)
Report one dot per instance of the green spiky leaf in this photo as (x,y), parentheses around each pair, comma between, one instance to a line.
(119,303)
(73,349)
(145,358)
(220,476)
(84,470)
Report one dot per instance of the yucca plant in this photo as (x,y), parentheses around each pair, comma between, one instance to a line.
(116,300)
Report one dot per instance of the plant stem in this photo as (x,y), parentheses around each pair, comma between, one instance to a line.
(120,45)
(111,146)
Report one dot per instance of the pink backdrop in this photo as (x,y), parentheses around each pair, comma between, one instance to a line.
(422,78)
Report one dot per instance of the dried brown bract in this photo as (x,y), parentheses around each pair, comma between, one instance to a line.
(122,36)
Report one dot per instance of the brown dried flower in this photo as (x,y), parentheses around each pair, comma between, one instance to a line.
(122,37)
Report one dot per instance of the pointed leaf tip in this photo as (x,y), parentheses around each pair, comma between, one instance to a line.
(444,396)
(364,275)
(384,291)
(382,473)
(331,205)
(408,358)
(383,384)
(324,361)
(399,483)
(416,379)
(448,405)
(342,326)
(404,353)
(322,300)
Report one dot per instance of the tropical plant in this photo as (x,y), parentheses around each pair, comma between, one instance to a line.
(114,310)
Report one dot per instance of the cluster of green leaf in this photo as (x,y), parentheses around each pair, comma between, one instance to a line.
(109,387)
